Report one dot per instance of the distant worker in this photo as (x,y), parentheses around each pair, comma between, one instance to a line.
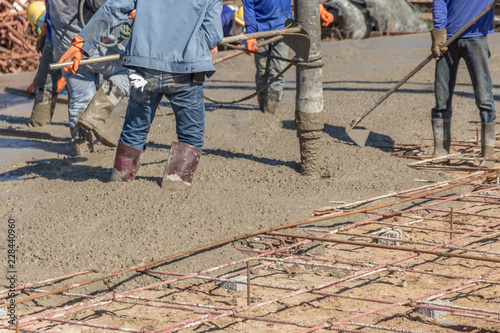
(46,84)
(167,61)
(233,22)
(265,15)
(449,17)
(89,107)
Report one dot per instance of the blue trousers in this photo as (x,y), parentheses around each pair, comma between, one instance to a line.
(476,53)
(268,68)
(186,98)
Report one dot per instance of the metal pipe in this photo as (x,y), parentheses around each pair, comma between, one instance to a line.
(309,98)
(227,40)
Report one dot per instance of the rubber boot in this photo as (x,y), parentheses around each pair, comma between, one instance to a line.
(262,101)
(487,144)
(81,142)
(94,118)
(181,166)
(441,129)
(127,163)
(273,101)
(43,108)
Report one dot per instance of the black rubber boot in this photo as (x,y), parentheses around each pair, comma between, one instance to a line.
(94,118)
(127,163)
(273,101)
(43,109)
(441,128)
(487,144)
(181,166)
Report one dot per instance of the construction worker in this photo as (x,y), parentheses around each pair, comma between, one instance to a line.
(449,17)
(166,60)
(46,84)
(265,15)
(89,106)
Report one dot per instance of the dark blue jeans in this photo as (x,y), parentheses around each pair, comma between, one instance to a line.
(476,53)
(186,98)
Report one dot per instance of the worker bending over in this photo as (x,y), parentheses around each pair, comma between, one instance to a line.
(449,17)
(169,53)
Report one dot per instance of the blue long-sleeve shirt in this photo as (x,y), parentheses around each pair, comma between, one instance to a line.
(454,14)
(265,15)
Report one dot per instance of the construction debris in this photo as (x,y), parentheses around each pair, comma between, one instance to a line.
(17,42)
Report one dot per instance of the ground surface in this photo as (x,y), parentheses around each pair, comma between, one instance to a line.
(72,219)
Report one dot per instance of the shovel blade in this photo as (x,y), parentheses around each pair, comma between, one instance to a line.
(359,135)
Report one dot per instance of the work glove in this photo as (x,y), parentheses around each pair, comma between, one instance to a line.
(74,53)
(325,16)
(40,42)
(251,46)
(29,90)
(214,50)
(60,84)
(132,15)
(439,36)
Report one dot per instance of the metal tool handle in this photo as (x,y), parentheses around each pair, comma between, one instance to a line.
(422,65)
(95,60)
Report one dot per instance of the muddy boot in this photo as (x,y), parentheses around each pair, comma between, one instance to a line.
(262,101)
(94,118)
(487,144)
(181,166)
(81,142)
(127,163)
(43,109)
(273,101)
(441,129)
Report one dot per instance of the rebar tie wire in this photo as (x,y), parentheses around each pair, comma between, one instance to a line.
(314,62)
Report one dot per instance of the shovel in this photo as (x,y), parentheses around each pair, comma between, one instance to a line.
(360,134)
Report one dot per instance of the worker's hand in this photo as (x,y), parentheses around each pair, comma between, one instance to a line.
(132,15)
(325,16)
(40,42)
(73,54)
(251,46)
(214,50)
(29,90)
(60,84)
(439,36)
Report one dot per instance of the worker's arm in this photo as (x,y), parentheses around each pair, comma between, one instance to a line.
(439,32)
(94,5)
(439,14)
(109,16)
(212,24)
(250,24)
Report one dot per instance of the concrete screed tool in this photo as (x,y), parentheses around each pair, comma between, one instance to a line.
(360,135)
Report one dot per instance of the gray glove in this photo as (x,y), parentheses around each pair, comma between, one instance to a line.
(439,36)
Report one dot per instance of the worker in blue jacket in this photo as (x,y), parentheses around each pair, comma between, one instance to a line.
(265,15)
(449,17)
(169,53)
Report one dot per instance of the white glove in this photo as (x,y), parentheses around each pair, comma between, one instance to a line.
(137,81)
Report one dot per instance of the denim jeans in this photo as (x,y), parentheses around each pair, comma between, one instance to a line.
(268,68)
(45,79)
(82,84)
(186,98)
(476,53)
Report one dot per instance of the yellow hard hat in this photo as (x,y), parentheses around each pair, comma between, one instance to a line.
(238,16)
(34,11)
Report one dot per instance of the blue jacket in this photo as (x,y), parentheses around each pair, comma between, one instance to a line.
(173,36)
(454,14)
(265,15)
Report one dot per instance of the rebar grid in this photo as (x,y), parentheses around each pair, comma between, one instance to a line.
(284,277)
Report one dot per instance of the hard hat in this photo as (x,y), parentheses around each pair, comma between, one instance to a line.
(238,16)
(35,11)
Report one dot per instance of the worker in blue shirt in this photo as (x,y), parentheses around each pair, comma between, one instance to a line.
(449,17)
(265,15)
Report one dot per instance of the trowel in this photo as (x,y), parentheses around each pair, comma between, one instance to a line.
(360,135)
